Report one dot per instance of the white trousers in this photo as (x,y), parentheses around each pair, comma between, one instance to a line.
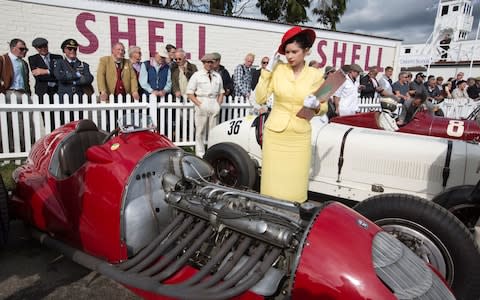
(205,114)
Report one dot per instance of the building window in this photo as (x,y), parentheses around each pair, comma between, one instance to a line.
(444,10)
(408,50)
(455,8)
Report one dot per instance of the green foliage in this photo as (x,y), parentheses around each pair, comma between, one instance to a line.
(329,15)
(285,11)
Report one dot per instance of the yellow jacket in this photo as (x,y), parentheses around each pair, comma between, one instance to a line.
(107,76)
(289,94)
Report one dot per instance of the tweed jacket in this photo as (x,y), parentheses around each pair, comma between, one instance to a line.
(191,68)
(6,74)
(107,76)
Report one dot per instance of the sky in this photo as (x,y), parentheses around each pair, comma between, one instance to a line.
(409,20)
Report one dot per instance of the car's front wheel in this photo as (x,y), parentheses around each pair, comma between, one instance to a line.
(4,220)
(232,164)
(432,233)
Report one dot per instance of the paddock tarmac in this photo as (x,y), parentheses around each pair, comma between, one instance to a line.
(29,270)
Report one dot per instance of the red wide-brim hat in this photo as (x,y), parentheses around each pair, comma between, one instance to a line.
(293,32)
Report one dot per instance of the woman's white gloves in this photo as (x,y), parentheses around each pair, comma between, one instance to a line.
(272,61)
(311,102)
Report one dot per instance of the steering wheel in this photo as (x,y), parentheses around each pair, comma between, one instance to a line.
(111,134)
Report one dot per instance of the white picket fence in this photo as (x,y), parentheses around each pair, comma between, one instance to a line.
(174,118)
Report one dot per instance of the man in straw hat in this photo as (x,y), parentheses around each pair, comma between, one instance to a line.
(205,90)
(346,97)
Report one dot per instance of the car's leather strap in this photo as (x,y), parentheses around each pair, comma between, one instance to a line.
(446,167)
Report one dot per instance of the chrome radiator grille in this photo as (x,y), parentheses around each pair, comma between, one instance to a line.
(405,273)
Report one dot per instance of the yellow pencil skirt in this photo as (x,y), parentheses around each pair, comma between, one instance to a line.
(286,160)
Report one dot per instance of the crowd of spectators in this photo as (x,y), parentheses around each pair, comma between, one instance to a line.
(168,71)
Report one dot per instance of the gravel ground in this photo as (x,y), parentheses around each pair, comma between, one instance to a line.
(29,270)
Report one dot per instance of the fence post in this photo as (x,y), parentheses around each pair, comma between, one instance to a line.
(152,108)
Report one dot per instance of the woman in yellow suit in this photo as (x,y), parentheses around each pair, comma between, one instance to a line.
(287,150)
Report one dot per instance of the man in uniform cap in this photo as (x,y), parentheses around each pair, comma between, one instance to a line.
(205,90)
(346,97)
(42,65)
(73,75)
(226,78)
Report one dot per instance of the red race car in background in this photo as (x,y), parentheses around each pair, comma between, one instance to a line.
(137,209)
(423,123)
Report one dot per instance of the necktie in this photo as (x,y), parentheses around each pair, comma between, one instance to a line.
(46,59)
(209,76)
(22,72)
(72,63)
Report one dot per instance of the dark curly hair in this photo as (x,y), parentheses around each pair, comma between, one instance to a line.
(301,39)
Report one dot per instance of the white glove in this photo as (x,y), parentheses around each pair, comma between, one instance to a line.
(311,102)
(272,61)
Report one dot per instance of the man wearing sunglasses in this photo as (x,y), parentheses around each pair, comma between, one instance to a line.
(73,75)
(256,72)
(14,70)
(42,65)
(14,81)
(182,70)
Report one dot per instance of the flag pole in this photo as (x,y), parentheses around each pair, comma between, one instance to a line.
(474,47)
(439,5)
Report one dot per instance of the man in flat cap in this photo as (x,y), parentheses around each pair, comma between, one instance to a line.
(42,65)
(205,90)
(346,97)
(226,78)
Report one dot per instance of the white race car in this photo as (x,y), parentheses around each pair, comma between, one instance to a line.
(384,174)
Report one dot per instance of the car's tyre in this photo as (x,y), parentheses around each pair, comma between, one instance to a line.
(4,221)
(232,164)
(463,203)
(434,234)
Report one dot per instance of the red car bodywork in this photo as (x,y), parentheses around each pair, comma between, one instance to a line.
(423,124)
(84,211)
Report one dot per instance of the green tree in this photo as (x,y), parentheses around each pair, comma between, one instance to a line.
(285,11)
(329,12)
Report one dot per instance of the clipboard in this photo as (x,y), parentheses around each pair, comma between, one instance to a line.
(325,91)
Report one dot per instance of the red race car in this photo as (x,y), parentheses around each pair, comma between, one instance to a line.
(423,123)
(137,209)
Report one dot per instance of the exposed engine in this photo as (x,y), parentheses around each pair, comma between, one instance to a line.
(218,242)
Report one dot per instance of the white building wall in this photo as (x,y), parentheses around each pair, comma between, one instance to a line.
(57,20)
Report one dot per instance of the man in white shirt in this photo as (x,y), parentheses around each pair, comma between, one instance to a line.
(386,82)
(205,90)
(346,97)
